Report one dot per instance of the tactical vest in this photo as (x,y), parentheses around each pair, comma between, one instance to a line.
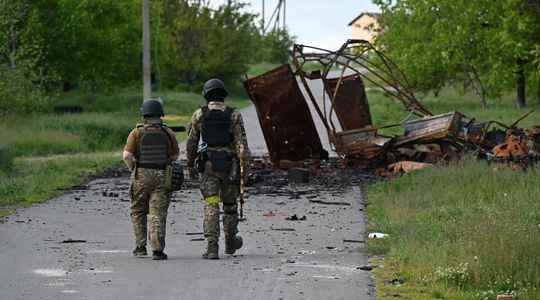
(153,147)
(216,127)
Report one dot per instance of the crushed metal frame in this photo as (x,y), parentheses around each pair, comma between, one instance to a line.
(359,60)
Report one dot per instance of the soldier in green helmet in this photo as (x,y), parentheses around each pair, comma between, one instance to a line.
(217,159)
(150,149)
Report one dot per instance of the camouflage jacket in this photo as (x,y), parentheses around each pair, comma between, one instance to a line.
(239,146)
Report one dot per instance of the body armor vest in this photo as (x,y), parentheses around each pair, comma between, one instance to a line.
(216,127)
(153,147)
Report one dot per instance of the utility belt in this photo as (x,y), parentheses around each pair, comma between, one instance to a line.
(220,161)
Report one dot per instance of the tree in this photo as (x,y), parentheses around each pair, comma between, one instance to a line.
(201,43)
(476,42)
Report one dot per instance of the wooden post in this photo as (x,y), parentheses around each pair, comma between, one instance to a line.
(147,68)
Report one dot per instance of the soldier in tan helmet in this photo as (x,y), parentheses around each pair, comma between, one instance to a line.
(222,131)
(150,149)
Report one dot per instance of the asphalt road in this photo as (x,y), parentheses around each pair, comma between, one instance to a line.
(281,259)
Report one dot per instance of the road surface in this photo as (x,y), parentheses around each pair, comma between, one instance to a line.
(319,258)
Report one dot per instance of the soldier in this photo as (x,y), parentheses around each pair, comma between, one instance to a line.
(224,145)
(149,151)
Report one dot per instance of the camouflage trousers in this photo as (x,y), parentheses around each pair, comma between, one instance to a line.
(150,196)
(215,190)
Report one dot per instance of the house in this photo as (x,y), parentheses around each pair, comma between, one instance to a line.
(365,26)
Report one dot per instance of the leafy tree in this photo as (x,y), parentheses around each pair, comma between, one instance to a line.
(475,42)
(200,43)
(275,46)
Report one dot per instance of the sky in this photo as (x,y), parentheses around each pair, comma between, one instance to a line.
(320,23)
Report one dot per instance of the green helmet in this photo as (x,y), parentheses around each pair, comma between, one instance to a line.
(214,90)
(152,108)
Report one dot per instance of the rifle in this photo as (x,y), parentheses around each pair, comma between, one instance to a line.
(242,184)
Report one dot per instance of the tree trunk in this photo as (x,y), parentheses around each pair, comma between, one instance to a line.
(478,87)
(538,92)
(520,84)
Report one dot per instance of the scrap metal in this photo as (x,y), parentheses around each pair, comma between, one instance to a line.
(292,138)
(286,122)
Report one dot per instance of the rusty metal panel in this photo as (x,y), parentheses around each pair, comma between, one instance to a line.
(351,104)
(431,128)
(363,144)
(286,121)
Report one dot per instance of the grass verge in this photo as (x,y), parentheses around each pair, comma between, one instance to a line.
(465,231)
(35,179)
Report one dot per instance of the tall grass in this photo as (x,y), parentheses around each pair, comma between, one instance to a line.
(466,226)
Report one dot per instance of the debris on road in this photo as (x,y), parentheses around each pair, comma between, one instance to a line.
(377,235)
(296,218)
(295,145)
(365,268)
(283,229)
(330,202)
(72,241)
(353,241)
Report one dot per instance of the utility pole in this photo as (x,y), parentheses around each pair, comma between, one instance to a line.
(147,68)
(263,15)
(284,15)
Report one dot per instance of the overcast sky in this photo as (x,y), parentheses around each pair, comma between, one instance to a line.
(321,23)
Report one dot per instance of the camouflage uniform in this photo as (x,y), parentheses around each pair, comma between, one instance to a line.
(150,193)
(217,187)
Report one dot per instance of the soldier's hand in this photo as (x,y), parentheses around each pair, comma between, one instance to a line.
(193,174)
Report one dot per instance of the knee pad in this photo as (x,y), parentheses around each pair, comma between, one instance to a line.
(212,200)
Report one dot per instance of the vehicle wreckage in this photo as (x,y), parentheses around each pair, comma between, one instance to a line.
(342,106)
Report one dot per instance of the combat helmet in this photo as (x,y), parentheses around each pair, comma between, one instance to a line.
(152,108)
(214,90)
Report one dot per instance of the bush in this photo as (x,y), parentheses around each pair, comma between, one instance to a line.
(6,158)
(19,93)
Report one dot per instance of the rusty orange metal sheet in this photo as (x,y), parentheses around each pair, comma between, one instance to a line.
(351,104)
(431,128)
(284,115)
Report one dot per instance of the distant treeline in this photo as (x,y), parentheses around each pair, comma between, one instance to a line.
(491,47)
(53,45)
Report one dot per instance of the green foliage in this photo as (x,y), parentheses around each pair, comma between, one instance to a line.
(19,93)
(473,42)
(275,47)
(6,158)
(200,43)
(467,226)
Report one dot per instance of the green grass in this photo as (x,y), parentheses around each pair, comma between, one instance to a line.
(36,179)
(259,69)
(463,230)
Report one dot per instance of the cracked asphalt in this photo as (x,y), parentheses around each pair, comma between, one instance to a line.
(78,245)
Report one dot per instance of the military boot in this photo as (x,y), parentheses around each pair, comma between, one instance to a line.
(159,255)
(140,251)
(212,250)
(233,244)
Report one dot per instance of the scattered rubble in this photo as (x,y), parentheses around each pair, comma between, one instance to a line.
(294,144)
(72,241)
(296,218)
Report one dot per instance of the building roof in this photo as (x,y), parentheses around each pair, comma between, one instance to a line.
(371,14)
